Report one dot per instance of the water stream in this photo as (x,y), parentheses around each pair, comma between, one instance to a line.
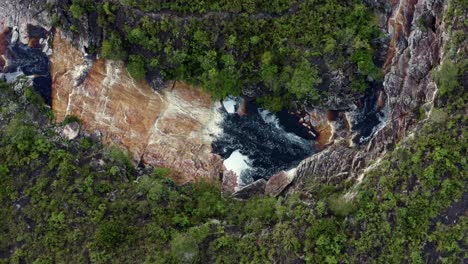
(254,145)
(259,144)
(24,60)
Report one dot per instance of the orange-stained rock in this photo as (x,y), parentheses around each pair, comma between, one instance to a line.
(65,63)
(278,182)
(242,111)
(3,46)
(381,100)
(170,129)
(400,26)
(230,181)
(320,120)
(33,43)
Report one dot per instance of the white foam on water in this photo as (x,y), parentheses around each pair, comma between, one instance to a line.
(383,120)
(269,117)
(237,163)
(213,128)
(12,76)
(230,104)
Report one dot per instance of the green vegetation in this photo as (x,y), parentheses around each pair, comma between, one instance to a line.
(112,48)
(447,77)
(284,50)
(76,202)
(78,8)
(55,20)
(70,119)
(136,67)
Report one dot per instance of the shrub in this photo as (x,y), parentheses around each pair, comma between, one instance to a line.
(86,143)
(184,249)
(119,157)
(161,173)
(110,234)
(55,20)
(112,48)
(447,77)
(70,119)
(304,80)
(340,206)
(33,97)
(136,67)
(80,7)
(76,10)
(20,136)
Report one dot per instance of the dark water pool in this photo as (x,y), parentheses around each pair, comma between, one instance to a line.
(32,62)
(258,144)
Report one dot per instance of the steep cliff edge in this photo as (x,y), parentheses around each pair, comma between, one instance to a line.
(408,85)
(172,128)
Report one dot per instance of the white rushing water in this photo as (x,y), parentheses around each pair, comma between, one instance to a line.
(256,145)
(269,117)
(230,104)
(238,163)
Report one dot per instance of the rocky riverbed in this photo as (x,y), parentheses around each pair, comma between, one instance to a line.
(182,128)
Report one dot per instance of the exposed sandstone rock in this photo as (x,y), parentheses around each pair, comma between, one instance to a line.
(20,14)
(257,188)
(408,85)
(3,46)
(242,111)
(229,181)
(320,122)
(71,130)
(278,182)
(168,129)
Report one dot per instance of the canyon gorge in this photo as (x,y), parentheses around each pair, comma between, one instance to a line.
(181,127)
(233,131)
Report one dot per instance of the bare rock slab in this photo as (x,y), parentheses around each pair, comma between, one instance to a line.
(71,131)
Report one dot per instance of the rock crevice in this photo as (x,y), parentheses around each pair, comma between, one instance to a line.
(413,52)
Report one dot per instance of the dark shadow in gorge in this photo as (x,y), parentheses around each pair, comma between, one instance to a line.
(31,62)
(261,137)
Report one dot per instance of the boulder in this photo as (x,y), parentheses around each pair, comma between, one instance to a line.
(257,188)
(71,130)
(278,182)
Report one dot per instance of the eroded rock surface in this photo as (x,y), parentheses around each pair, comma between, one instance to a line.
(71,131)
(165,129)
(257,188)
(278,182)
(172,128)
(20,14)
(412,54)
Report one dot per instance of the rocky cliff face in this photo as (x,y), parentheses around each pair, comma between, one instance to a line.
(173,128)
(170,129)
(413,52)
(20,14)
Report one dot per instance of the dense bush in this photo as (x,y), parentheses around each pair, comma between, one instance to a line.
(77,202)
(136,67)
(59,204)
(284,50)
(112,48)
(80,7)
(447,77)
